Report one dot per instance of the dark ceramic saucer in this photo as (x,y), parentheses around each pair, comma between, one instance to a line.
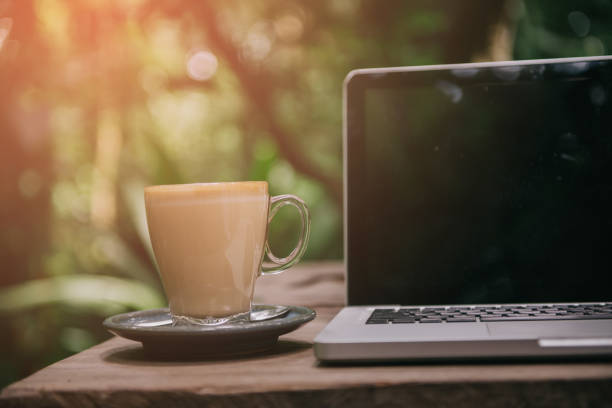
(161,339)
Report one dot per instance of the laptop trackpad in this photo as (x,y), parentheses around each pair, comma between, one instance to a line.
(549,329)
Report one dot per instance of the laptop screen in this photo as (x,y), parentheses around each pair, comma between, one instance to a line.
(480,184)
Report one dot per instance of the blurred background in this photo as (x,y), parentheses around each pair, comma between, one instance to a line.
(99,98)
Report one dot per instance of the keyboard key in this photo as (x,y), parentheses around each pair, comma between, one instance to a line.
(430,320)
(400,321)
(377,321)
(510,318)
(544,317)
(461,319)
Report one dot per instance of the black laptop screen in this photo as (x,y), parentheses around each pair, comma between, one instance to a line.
(481,185)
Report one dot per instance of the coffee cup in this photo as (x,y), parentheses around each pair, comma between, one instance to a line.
(210,239)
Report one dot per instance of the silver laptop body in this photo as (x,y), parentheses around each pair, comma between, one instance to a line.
(477,212)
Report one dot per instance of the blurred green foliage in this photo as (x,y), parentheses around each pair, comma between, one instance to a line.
(101,98)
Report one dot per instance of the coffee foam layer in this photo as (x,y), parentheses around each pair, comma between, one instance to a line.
(240,187)
(190,201)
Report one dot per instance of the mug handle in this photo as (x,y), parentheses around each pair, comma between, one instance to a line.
(276,203)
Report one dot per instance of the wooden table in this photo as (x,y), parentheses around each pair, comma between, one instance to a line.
(117,374)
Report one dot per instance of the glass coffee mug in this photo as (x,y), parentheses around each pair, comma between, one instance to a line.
(209,241)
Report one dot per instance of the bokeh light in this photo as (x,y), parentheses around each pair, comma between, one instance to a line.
(289,28)
(5,29)
(580,23)
(257,44)
(202,65)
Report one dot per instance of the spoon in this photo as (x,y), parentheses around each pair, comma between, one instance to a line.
(265,312)
(259,313)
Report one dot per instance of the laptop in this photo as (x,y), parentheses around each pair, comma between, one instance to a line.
(478,212)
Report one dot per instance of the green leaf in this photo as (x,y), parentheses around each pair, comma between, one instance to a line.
(92,293)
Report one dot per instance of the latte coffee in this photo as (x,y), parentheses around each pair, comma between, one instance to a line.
(209,241)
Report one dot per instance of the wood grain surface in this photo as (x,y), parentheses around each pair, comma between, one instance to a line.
(116,373)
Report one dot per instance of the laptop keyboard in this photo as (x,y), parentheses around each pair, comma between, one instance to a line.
(503,313)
